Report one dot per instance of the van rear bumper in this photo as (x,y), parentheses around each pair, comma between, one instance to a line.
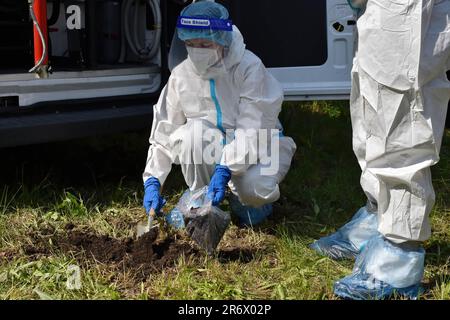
(25,129)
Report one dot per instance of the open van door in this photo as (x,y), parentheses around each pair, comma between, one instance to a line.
(308,45)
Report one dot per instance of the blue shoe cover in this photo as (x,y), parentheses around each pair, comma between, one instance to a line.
(249,216)
(381,270)
(360,288)
(346,242)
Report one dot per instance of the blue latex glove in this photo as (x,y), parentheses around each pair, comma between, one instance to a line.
(218,184)
(152,197)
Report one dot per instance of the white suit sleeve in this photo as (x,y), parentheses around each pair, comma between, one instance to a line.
(260,102)
(167,117)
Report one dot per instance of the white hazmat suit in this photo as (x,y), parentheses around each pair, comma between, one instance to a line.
(240,94)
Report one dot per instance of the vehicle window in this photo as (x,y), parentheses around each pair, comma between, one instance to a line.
(283,33)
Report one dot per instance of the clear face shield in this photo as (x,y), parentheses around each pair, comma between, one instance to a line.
(207,41)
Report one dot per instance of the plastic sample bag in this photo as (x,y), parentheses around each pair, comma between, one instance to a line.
(204,223)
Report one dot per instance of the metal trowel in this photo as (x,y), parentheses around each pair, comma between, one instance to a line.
(145,226)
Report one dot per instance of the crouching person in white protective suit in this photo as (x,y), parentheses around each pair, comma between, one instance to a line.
(399,100)
(217,117)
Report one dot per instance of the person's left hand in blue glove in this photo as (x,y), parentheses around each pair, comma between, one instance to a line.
(218,185)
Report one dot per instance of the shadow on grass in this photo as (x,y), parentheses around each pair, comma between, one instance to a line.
(101,170)
(242,255)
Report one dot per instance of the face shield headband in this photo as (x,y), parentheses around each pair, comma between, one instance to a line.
(198,23)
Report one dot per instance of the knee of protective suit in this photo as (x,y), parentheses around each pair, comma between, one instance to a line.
(287,151)
(256,191)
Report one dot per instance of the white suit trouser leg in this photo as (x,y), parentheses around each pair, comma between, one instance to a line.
(397,137)
(253,188)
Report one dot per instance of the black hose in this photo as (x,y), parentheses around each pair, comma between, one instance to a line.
(131,35)
(56,6)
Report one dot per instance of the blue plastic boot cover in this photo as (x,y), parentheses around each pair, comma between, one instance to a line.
(383,269)
(347,242)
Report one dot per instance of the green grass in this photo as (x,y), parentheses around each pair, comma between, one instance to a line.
(96,185)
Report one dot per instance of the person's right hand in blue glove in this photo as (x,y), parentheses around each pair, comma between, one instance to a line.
(218,185)
(152,197)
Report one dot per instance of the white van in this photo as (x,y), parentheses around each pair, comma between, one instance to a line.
(109,59)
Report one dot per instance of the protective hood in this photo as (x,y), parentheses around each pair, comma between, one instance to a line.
(236,51)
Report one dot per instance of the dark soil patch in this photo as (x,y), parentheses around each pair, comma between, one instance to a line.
(142,257)
(151,253)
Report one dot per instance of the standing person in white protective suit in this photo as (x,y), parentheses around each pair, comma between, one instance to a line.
(399,100)
(221,95)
